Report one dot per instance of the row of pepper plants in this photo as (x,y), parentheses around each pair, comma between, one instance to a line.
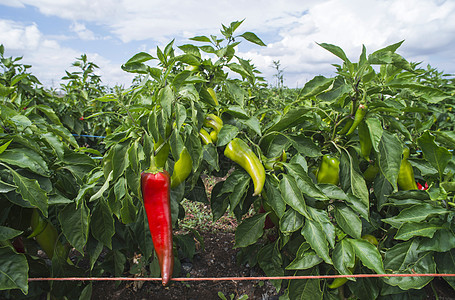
(349,174)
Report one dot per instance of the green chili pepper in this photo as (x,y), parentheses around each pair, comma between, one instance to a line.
(406,180)
(346,126)
(182,168)
(238,151)
(214,122)
(365,140)
(371,172)
(205,136)
(359,115)
(328,171)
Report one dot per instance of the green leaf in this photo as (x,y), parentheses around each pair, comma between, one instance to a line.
(314,234)
(75,225)
(316,86)
(292,195)
(7,233)
(219,202)
(142,234)
(411,229)
(343,257)
(304,182)
(251,37)
(442,241)
(368,254)
(390,150)
(227,134)
(103,188)
(446,138)
(305,146)
(304,259)
(336,51)
(291,118)
(348,220)
(375,128)
(352,179)
(270,261)
(4,146)
(273,195)
(322,217)
(291,221)
(27,159)
(166,100)
(445,263)
(31,192)
(250,230)
(139,58)
(404,258)
(102,223)
(438,157)
(415,213)
(13,270)
(253,123)
(49,112)
(128,211)
(303,289)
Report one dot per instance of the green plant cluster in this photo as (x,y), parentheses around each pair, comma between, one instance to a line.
(362,120)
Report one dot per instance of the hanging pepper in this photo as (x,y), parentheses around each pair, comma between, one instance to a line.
(205,137)
(406,180)
(155,186)
(328,171)
(46,236)
(359,115)
(365,140)
(371,172)
(182,168)
(238,151)
(214,122)
(213,95)
(274,163)
(346,126)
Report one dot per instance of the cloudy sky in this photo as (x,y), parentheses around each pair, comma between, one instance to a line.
(50,34)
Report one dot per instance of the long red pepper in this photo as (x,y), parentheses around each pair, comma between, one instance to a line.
(156,195)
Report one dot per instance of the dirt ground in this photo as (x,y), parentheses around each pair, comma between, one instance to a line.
(217,260)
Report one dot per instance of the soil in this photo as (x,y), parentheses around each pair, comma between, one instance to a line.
(217,260)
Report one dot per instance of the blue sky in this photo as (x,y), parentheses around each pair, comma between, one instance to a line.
(51,34)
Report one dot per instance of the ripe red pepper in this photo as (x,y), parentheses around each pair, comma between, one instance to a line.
(155,187)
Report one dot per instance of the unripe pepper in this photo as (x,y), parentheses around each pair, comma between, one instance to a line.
(359,115)
(46,236)
(328,171)
(274,163)
(182,168)
(346,126)
(238,151)
(213,95)
(205,137)
(155,186)
(371,172)
(365,140)
(214,122)
(406,180)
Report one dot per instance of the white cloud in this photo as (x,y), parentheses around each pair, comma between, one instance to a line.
(12,3)
(48,58)
(82,32)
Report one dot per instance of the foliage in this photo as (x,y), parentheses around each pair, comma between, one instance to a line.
(97,209)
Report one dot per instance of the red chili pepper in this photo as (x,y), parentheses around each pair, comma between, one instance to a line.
(156,195)
(421,187)
(81,118)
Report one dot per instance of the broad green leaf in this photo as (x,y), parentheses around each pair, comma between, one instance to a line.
(291,221)
(303,289)
(291,118)
(316,86)
(250,230)
(404,258)
(270,261)
(322,217)
(31,192)
(390,150)
(305,146)
(7,233)
(166,100)
(142,234)
(27,159)
(368,254)
(348,220)
(6,187)
(75,224)
(13,270)
(50,113)
(292,195)
(314,234)
(442,241)
(227,134)
(253,123)
(273,195)
(128,211)
(4,146)
(55,143)
(102,223)
(103,188)
(236,92)
(366,288)
(358,206)
(343,257)
(437,156)
(219,202)
(139,58)
(411,229)
(415,213)
(304,259)
(251,37)
(375,128)
(382,188)
(352,178)
(304,182)
(445,263)
(446,138)
(336,51)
